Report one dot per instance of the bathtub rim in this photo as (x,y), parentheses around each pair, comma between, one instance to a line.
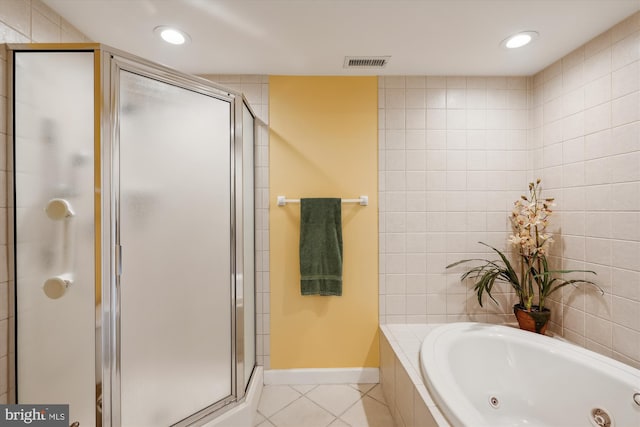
(448,386)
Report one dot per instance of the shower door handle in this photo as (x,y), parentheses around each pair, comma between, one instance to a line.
(119,260)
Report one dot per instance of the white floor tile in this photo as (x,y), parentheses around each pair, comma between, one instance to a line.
(302,412)
(368,413)
(276,397)
(334,398)
(337,405)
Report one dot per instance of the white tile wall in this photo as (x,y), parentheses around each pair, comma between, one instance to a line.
(453,154)
(598,193)
(448,181)
(21,21)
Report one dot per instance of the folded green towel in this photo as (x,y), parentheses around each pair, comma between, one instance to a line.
(321,246)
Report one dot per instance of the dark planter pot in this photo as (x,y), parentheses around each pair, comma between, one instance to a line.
(532,320)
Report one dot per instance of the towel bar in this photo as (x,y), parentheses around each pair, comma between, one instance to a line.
(362,200)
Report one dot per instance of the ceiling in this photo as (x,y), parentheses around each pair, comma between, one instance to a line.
(312,37)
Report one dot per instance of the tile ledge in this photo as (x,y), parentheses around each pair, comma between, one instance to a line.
(404,360)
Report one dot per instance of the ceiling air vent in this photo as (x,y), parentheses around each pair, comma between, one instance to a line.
(366,61)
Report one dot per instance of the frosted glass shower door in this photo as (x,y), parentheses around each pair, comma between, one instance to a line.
(175,232)
(54,249)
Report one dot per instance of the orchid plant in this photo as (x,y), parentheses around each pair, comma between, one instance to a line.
(531,241)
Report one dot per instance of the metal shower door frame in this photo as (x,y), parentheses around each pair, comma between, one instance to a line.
(112,63)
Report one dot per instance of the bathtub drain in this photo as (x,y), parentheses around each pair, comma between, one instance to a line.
(494,402)
(600,417)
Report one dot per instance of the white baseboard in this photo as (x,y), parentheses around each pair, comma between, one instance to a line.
(322,376)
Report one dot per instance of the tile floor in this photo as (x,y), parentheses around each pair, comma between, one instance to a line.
(327,405)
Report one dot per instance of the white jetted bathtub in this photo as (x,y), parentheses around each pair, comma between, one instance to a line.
(492,375)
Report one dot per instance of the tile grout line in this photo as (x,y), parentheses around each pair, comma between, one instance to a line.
(362,396)
(348,408)
(377,400)
(286,406)
(295,400)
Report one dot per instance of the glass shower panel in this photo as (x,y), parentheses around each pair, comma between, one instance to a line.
(54,214)
(175,220)
(249,243)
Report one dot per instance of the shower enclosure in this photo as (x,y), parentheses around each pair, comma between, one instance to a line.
(132,240)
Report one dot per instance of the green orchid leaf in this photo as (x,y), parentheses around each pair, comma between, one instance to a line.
(574,282)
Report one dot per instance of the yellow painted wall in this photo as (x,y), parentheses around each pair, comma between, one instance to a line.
(324,143)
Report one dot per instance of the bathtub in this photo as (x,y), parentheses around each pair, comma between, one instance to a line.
(492,375)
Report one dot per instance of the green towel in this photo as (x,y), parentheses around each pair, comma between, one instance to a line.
(321,246)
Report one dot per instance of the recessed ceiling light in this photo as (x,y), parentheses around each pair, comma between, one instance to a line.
(519,40)
(172,35)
